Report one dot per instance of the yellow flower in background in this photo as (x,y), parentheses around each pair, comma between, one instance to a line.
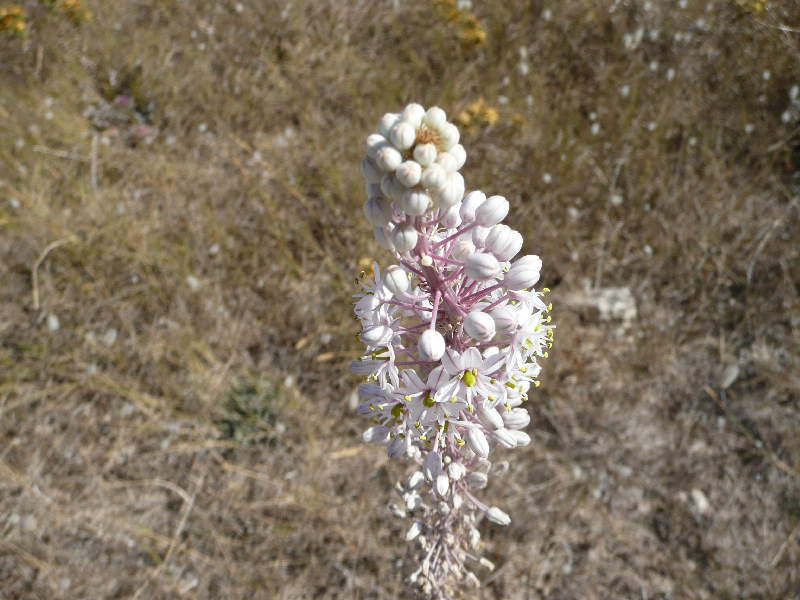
(470,31)
(478,114)
(12,19)
(754,6)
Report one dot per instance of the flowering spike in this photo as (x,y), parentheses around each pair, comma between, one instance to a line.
(453,334)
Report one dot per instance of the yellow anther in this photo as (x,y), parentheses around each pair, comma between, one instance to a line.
(546,355)
(545,290)
(509,385)
(493,380)
(429,401)
(508,406)
(423,438)
(470,408)
(548,319)
(407,398)
(460,442)
(470,378)
(550,307)
(398,410)
(537,383)
(454,399)
(372,407)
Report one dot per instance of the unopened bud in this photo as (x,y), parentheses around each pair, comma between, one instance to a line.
(517,418)
(490,417)
(477,442)
(481,266)
(413,531)
(413,113)
(435,117)
(370,170)
(431,345)
(378,211)
(503,242)
(388,158)
(470,204)
(452,218)
(498,516)
(505,318)
(479,326)
(414,202)
(388,121)
(505,438)
(404,238)
(425,154)
(492,211)
(524,273)
(403,135)
(409,173)
(452,192)
(396,279)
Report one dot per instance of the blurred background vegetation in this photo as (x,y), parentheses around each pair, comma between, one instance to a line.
(180,226)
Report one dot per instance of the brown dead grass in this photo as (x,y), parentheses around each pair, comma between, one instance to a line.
(207,449)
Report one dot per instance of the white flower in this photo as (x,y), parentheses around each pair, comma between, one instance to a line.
(413,531)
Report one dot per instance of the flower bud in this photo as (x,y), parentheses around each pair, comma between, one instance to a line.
(479,235)
(504,438)
(415,479)
(383,237)
(447,161)
(367,305)
(477,442)
(414,202)
(503,242)
(463,249)
(370,170)
(520,437)
(396,279)
(403,135)
(505,318)
(391,188)
(517,418)
(413,113)
(378,211)
(496,515)
(404,238)
(490,417)
(451,218)
(431,345)
(425,154)
(456,471)
(432,465)
(388,158)
(379,434)
(434,177)
(442,484)
(449,135)
(492,211)
(409,173)
(479,326)
(459,154)
(477,480)
(413,531)
(435,117)
(398,447)
(377,335)
(375,142)
(452,192)
(524,273)
(388,121)
(481,266)
(470,204)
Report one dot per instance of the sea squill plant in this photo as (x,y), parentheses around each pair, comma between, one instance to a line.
(453,334)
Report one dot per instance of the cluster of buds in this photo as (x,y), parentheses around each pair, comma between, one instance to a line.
(453,333)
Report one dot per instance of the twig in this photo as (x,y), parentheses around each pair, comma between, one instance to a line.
(93,166)
(35,271)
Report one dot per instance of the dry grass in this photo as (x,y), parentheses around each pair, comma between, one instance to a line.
(185,430)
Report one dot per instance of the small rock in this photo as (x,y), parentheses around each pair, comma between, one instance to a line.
(606,304)
(53,324)
(700,500)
